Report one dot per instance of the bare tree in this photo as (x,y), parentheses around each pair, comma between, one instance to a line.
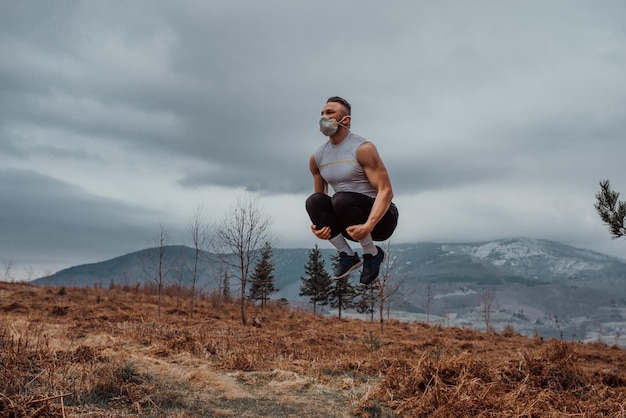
(388,286)
(611,210)
(179,270)
(199,231)
(240,235)
(8,271)
(30,273)
(428,300)
(157,265)
(487,300)
(223,287)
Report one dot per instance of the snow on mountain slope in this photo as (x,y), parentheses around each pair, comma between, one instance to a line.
(537,259)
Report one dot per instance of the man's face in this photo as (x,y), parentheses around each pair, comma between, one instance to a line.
(335,111)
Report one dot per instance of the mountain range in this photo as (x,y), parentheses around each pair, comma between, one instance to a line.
(538,287)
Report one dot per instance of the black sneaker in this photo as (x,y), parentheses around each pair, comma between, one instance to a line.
(371,266)
(346,265)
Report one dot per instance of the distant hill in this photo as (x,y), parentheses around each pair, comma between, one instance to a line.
(539,285)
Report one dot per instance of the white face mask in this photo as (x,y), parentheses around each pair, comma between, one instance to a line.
(329,126)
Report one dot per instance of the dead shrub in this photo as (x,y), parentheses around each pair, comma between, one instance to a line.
(437,386)
(508,331)
(613,380)
(87,354)
(59,311)
(556,367)
(183,340)
(15,307)
(30,406)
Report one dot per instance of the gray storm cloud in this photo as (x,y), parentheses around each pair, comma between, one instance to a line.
(111,110)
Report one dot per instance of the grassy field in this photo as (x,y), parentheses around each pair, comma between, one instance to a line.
(85,352)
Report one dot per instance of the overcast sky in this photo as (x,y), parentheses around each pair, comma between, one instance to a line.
(495,119)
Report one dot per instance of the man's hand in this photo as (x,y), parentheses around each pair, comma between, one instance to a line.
(358,232)
(322,233)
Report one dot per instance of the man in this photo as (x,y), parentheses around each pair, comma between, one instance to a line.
(361,208)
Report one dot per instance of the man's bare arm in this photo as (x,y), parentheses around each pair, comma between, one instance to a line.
(319,186)
(377,174)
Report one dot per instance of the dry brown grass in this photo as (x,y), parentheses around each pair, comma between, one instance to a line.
(104,353)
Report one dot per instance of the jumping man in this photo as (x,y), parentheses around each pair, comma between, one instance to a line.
(360,209)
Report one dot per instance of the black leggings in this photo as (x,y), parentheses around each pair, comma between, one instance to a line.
(345,209)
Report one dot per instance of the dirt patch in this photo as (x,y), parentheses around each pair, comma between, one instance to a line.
(272,393)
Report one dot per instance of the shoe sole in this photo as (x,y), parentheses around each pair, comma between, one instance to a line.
(347,273)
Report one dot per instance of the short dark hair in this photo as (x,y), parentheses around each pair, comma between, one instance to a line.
(341,101)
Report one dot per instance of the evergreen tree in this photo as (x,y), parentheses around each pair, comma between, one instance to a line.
(342,293)
(262,280)
(225,284)
(367,298)
(316,283)
(611,210)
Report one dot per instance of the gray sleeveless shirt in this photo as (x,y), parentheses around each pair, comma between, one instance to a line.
(339,167)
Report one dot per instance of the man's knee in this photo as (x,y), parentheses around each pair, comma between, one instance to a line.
(342,199)
(317,201)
